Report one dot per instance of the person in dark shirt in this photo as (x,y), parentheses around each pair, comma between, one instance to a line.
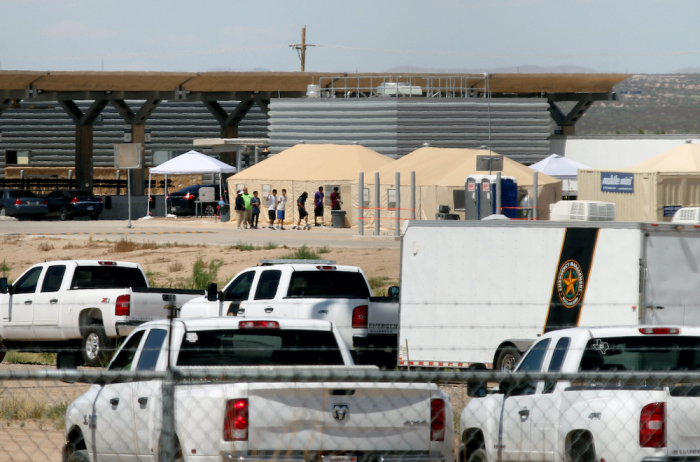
(335,199)
(303,214)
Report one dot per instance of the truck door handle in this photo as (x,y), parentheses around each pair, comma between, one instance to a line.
(53,300)
(27,302)
(269,309)
(524,414)
(142,401)
(114,401)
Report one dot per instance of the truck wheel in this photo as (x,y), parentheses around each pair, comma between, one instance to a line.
(96,346)
(582,448)
(478,456)
(78,456)
(508,359)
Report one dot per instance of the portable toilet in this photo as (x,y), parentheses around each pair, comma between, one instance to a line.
(479,196)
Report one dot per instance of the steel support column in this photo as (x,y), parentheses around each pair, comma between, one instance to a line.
(83,156)
(83,138)
(138,175)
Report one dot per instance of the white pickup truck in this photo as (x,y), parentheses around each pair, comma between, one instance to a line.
(312,289)
(79,304)
(588,421)
(246,421)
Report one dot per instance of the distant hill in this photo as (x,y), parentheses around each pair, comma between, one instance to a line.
(668,103)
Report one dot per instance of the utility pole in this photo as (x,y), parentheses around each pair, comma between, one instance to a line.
(301,48)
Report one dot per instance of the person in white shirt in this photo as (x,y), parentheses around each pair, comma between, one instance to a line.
(271,207)
(281,204)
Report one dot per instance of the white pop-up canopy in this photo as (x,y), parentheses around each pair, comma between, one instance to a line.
(191,163)
(559,167)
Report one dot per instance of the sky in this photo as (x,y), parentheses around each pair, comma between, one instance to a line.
(622,36)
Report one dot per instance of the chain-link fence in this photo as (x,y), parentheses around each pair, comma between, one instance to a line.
(347,414)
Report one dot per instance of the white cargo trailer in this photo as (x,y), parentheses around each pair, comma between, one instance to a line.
(478,293)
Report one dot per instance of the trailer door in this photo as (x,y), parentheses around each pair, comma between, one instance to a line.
(671,278)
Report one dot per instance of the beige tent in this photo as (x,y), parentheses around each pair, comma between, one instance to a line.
(651,190)
(439,172)
(305,167)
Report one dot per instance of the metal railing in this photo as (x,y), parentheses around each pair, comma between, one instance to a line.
(409,86)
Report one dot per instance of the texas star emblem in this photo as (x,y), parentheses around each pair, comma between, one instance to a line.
(570,283)
(340,411)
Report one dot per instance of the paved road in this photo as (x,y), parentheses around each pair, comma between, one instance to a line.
(193,231)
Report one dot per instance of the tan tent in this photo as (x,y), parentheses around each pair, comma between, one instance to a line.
(657,186)
(305,167)
(439,172)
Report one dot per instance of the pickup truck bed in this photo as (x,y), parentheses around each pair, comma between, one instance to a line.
(257,420)
(81,305)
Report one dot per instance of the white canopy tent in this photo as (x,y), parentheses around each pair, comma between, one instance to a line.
(559,167)
(563,169)
(192,163)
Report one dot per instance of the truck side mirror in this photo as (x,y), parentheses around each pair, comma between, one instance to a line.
(211,292)
(393,292)
(476,389)
(4,287)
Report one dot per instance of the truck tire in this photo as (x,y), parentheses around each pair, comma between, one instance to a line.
(582,448)
(96,346)
(508,359)
(78,456)
(478,456)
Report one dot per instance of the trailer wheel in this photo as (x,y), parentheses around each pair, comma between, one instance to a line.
(508,359)
(96,346)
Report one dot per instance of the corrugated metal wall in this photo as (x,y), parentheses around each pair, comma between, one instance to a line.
(47,131)
(396,126)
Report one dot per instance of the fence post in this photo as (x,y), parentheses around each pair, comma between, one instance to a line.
(119,182)
(376,204)
(397,230)
(361,205)
(21,179)
(497,191)
(413,195)
(534,196)
(167,448)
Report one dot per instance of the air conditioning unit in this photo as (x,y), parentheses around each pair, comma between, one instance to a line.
(687,215)
(583,211)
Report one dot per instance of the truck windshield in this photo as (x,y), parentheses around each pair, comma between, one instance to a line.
(324,284)
(107,277)
(259,347)
(652,353)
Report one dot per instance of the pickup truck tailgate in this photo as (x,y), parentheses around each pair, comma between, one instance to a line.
(682,416)
(339,416)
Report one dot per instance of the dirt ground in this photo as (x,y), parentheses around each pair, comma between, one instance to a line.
(166,264)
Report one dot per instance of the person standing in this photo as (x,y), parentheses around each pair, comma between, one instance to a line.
(255,201)
(248,216)
(239,207)
(303,214)
(318,206)
(271,207)
(281,204)
(335,199)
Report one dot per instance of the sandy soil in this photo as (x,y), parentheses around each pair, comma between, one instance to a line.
(168,264)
